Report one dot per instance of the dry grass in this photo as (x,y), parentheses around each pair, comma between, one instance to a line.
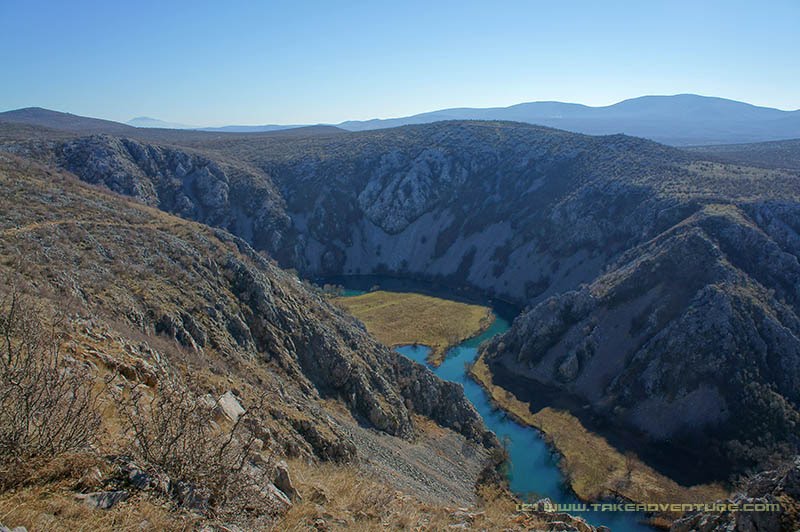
(345,499)
(595,469)
(340,495)
(405,318)
(54,507)
(49,503)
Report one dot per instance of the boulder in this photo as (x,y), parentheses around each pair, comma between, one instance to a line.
(230,407)
(103,500)
(17,529)
(283,481)
(190,496)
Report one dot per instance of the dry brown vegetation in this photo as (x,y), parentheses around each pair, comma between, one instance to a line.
(176,434)
(53,507)
(405,318)
(345,499)
(47,404)
(334,497)
(49,502)
(595,469)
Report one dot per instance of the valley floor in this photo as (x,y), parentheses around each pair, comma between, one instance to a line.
(406,318)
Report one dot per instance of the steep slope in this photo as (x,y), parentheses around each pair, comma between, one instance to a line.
(146,292)
(701,320)
(234,197)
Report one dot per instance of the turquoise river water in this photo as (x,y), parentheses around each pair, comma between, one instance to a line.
(533,465)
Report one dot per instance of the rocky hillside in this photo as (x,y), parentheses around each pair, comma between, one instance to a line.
(658,263)
(432,201)
(701,320)
(769,500)
(776,154)
(146,295)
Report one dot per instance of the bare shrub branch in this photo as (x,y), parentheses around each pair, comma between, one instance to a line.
(47,406)
(174,432)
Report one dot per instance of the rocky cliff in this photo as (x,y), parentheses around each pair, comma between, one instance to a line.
(768,501)
(145,292)
(700,320)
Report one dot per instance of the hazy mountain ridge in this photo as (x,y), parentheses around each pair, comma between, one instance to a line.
(37,116)
(146,121)
(683,119)
(680,120)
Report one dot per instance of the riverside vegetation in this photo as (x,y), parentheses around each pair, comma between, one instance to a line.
(594,469)
(407,318)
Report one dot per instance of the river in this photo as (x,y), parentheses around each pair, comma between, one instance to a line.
(533,470)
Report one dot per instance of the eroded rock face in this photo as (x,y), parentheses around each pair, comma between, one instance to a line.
(446,404)
(765,491)
(283,481)
(236,198)
(402,188)
(701,320)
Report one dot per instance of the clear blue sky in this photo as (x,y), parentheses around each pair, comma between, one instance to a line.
(256,62)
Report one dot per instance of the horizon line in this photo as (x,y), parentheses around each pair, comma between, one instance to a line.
(295,125)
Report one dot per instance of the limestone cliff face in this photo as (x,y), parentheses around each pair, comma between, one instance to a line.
(701,320)
(432,201)
(200,297)
(234,197)
(778,487)
(520,211)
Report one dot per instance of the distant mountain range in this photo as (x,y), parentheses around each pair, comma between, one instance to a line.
(37,116)
(146,121)
(679,120)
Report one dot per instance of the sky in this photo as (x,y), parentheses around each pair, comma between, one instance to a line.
(211,63)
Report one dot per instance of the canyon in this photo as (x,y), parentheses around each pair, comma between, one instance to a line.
(654,280)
